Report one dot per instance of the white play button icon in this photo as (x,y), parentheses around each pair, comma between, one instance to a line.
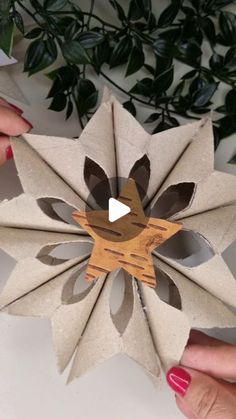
(117,210)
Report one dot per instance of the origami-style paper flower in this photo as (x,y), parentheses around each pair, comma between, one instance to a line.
(175,169)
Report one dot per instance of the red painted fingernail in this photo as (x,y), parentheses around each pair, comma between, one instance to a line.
(18,110)
(9,153)
(179,380)
(27,122)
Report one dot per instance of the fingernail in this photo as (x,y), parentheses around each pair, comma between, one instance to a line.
(18,110)
(9,153)
(179,380)
(27,122)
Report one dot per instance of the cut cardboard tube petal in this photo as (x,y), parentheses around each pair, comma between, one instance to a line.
(38,179)
(218,226)
(135,341)
(214,276)
(46,298)
(165,150)
(197,161)
(218,189)
(169,327)
(201,308)
(69,322)
(16,288)
(74,151)
(24,212)
(131,140)
(22,243)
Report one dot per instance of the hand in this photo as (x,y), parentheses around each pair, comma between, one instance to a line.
(11,124)
(202,391)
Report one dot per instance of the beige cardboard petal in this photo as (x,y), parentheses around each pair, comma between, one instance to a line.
(69,322)
(218,189)
(131,140)
(102,340)
(201,308)
(24,212)
(217,226)
(96,142)
(28,275)
(100,130)
(169,327)
(164,151)
(38,179)
(22,243)
(197,161)
(8,86)
(45,298)
(214,276)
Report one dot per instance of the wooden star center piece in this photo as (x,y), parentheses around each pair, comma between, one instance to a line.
(126,243)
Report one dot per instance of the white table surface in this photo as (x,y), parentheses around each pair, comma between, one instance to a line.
(30,386)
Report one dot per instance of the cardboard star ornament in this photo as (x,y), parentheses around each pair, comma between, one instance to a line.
(182,189)
(131,253)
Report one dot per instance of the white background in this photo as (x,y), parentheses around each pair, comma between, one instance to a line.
(30,387)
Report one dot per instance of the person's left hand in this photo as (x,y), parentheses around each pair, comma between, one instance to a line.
(11,124)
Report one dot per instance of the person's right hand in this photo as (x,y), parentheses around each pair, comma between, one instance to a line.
(201,386)
(11,124)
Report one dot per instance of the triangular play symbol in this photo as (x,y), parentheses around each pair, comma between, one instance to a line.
(117,210)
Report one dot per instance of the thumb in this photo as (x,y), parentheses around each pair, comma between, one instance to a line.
(200,395)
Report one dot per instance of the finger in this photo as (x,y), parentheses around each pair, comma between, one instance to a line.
(184,408)
(229,387)
(11,106)
(197,337)
(5,149)
(11,123)
(217,361)
(201,396)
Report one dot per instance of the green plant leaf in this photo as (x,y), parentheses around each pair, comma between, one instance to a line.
(18,20)
(143,87)
(136,60)
(230,102)
(152,118)
(119,9)
(230,57)
(163,81)
(74,53)
(216,62)
(163,48)
(6,35)
(227,22)
(38,56)
(129,106)
(34,33)
(168,15)
(34,54)
(121,52)
(70,108)
(86,96)
(208,28)
(232,160)
(58,103)
(90,39)
(203,95)
(189,52)
(54,5)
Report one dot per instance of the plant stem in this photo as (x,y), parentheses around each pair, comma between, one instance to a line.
(90,13)
(140,100)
